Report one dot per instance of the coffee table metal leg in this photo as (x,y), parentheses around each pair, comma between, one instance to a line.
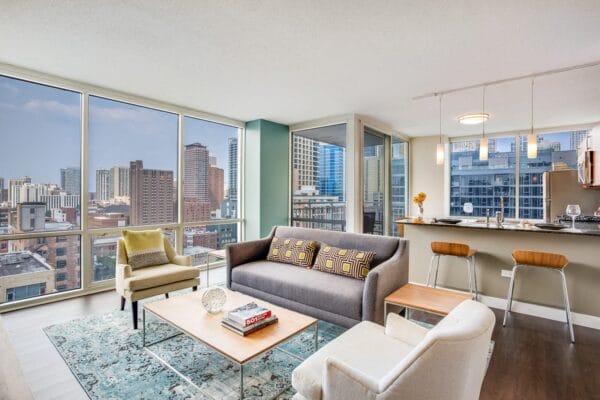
(143,326)
(207,269)
(241,381)
(384,312)
(316,336)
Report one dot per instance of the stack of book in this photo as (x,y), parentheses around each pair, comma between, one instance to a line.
(248,318)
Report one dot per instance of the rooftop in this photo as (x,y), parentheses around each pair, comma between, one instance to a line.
(22,262)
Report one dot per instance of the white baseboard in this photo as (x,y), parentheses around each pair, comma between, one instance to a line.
(555,314)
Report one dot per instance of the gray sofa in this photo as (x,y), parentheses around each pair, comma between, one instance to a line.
(337,299)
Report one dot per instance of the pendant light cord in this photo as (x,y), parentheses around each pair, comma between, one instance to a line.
(483,112)
(532,79)
(441,118)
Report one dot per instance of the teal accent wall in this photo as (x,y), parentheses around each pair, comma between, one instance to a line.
(266,180)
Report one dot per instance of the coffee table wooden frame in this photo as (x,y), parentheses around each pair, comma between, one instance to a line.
(239,362)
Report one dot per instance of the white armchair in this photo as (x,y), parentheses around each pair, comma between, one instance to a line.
(402,360)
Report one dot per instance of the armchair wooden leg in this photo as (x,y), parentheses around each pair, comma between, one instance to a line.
(194,288)
(167,295)
(122,303)
(134,309)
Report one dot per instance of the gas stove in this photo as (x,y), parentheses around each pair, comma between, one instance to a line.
(590,219)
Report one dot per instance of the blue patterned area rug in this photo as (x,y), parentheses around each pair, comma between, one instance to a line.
(107,358)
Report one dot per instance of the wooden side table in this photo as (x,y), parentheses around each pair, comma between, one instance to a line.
(424,298)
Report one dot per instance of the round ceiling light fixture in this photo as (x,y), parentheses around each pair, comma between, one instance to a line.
(473,119)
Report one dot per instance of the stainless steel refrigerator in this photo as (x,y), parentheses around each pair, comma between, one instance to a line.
(562,188)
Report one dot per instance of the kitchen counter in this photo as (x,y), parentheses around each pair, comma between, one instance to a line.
(588,230)
(494,246)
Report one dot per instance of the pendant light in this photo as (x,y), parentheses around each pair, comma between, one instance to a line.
(483,143)
(532,137)
(440,145)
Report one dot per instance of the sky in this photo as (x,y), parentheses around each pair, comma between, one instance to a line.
(40,133)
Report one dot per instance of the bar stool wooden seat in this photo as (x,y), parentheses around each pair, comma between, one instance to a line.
(551,261)
(460,250)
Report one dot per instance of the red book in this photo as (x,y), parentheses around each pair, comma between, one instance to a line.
(256,318)
(248,314)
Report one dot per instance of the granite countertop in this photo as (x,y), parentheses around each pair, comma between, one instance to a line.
(519,226)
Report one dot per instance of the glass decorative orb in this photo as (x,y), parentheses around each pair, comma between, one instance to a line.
(214,299)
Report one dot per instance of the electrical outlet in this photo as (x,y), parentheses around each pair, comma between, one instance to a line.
(506,273)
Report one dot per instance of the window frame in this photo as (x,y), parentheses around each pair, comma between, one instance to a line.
(86,233)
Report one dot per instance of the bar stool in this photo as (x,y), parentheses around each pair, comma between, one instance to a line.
(552,261)
(460,250)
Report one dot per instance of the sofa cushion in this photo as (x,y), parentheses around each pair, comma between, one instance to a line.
(347,262)
(364,347)
(383,246)
(298,252)
(159,275)
(145,248)
(306,286)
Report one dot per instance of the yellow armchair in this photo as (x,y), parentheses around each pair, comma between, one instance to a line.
(141,283)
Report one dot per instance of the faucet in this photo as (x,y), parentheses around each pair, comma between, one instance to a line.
(500,214)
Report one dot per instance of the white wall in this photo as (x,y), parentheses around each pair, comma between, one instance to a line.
(426,176)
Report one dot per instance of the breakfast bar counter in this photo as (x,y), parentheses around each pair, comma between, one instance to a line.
(520,226)
(494,247)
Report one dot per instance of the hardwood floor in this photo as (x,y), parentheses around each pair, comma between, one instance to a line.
(533,358)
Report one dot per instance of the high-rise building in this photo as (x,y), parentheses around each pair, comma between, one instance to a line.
(216,186)
(63,252)
(2,190)
(232,184)
(196,162)
(331,171)
(151,195)
(120,181)
(32,192)
(104,188)
(70,180)
(305,162)
(577,139)
(31,216)
(14,189)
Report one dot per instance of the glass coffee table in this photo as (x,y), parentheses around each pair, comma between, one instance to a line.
(189,317)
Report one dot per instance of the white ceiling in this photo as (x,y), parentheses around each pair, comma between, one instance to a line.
(291,61)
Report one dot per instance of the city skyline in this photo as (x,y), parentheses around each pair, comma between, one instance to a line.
(45,120)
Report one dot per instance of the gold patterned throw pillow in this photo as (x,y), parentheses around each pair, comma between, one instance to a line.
(298,252)
(347,262)
(145,248)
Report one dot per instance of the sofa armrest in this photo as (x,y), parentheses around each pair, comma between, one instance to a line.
(404,330)
(382,281)
(342,382)
(245,252)
(122,272)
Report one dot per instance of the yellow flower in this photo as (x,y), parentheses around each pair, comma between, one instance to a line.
(419,198)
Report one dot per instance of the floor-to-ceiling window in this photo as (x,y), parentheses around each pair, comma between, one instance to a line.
(53,239)
(132,173)
(40,190)
(210,191)
(374,182)
(319,178)
(399,154)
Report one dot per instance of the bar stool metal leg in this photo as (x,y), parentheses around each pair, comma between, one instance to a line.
(430,269)
(474,277)
(511,288)
(567,305)
(436,270)
(470,275)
